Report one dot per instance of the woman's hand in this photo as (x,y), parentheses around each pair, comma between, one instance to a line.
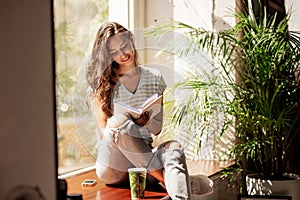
(143,120)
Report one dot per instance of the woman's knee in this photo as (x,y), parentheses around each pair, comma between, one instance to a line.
(119,125)
(173,144)
(116,120)
(111,176)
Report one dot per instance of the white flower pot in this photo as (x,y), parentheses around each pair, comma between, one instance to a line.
(257,186)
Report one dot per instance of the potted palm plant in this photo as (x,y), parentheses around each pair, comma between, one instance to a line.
(258,62)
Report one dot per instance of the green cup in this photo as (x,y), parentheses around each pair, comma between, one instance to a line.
(137,179)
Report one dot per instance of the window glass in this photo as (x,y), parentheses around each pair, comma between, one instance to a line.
(76,23)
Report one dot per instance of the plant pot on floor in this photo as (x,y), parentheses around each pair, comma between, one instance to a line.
(289,186)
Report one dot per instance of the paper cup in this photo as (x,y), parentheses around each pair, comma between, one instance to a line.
(137,179)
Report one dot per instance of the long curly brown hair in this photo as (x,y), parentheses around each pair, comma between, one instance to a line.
(101,73)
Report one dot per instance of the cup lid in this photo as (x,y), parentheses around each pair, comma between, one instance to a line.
(137,169)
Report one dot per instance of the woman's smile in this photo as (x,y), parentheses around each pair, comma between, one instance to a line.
(125,57)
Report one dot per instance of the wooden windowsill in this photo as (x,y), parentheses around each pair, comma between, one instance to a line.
(100,191)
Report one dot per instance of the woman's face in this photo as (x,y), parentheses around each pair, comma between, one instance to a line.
(121,51)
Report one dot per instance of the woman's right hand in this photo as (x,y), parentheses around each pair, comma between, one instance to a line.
(143,120)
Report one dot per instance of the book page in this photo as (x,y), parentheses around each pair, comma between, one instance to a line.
(150,101)
(120,108)
(152,104)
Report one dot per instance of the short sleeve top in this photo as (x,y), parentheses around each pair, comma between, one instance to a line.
(151,82)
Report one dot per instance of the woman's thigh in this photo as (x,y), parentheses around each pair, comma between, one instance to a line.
(110,175)
(171,144)
(111,157)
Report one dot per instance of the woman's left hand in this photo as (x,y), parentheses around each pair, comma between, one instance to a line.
(143,120)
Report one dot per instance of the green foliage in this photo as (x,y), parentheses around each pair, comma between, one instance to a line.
(257,93)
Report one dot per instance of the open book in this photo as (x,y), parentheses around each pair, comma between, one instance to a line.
(152,104)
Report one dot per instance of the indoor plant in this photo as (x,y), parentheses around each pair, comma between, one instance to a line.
(258,59)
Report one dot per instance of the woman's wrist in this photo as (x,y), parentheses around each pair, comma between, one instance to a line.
(154,126)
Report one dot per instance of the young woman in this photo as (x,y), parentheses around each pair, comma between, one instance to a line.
(114,75)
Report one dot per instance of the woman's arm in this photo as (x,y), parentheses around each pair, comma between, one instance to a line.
(99,115)
(156,122)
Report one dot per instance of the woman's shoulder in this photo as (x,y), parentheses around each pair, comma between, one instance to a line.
(153,76)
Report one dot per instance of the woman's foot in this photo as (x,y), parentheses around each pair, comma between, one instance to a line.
(201,184)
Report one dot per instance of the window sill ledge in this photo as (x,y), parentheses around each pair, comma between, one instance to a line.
(210,168)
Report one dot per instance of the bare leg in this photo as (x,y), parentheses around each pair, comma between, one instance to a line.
(111,164)
(109,175)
